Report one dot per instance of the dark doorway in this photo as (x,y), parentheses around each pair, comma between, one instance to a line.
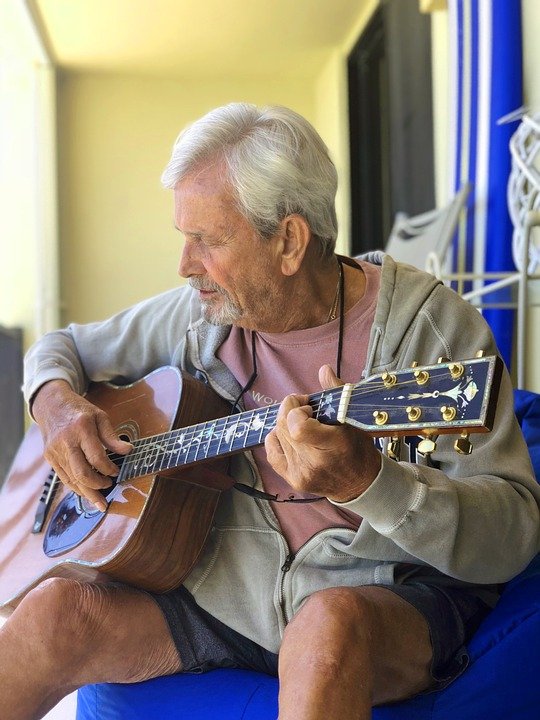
(11,401)
(391,123)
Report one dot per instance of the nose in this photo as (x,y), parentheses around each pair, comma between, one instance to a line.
(189,263)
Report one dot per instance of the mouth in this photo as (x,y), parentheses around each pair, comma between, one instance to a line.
(206,294)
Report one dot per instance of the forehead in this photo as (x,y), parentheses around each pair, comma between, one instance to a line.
(204,192)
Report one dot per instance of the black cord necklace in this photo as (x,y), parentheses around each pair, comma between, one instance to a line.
(247,489)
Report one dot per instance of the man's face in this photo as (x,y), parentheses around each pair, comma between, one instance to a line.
(236,272)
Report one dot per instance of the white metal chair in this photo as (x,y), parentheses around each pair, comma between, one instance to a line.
(424,240)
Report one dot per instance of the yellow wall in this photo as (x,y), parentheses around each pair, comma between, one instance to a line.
(118,244)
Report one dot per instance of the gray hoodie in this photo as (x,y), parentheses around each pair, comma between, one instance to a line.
(459,519)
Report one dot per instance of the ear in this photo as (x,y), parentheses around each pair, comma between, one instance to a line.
(295,236)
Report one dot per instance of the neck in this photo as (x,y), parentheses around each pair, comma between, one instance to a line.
(312,296)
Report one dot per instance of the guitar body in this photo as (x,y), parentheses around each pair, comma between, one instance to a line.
(155,526)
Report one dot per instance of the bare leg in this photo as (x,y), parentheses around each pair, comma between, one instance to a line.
(66,634)
(349,649)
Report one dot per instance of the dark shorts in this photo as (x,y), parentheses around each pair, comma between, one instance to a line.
(204,643)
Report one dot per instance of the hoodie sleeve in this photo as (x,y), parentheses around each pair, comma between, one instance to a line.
(474,517)
(121,349)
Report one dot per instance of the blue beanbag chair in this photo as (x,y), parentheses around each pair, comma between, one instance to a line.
(501,681)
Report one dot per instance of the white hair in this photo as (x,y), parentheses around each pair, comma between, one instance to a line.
(277,165)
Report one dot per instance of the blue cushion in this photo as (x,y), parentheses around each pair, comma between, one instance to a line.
(501,681)
(221,694)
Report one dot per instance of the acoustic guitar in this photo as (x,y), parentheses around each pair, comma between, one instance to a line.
(162,503)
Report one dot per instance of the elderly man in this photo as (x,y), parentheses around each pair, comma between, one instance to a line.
(364,596)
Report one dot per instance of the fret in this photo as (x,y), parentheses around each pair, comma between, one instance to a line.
(205,438)
(253,428)
(221,435)
(169,447)
(152,453)
(199,443)
(264,429)
(194,443)
(326,411)
(169,451)
(180,449)
(211,438)
(230,431)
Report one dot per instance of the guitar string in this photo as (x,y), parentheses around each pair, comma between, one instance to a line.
(244,416)
(196,432)
(166,446)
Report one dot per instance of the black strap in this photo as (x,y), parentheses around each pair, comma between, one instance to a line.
(252,492)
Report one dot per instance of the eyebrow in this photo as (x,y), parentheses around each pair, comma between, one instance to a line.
(193,233)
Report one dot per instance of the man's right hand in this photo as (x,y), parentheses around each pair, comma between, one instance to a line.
(76,436)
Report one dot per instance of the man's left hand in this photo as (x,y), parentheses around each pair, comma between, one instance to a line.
(337,461)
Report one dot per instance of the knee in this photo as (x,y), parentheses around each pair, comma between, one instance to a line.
(332,625)
(342,610)
(59,613)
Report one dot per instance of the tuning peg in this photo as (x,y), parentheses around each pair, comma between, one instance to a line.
(414,363)
(480,354)
(422,376)
(456,370)
(389,379)
(463,445)
(443,359)
(381,417)
(448,412)
(394,447)
(413,413)
(426,446)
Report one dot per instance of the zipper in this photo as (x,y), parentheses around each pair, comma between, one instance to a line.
(284,570)
(288,562)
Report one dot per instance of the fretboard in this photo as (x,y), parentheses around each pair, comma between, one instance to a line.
(214,438)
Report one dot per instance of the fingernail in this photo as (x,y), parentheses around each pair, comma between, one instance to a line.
(101,506)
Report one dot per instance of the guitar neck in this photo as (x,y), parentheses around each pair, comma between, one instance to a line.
(214,438)
(441,398)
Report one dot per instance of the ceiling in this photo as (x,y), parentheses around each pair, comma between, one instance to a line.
(196,38)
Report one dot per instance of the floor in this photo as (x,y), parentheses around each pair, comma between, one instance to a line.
(65,710)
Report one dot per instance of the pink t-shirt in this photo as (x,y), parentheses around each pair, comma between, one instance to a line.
(289,363)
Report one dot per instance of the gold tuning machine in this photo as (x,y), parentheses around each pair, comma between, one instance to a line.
(422,376)
(426,446)
(480,353)
(443,359)
(414,363)
(389,379)
(456,370)
(381,417)
(448,412)
(463,445)
(413,413)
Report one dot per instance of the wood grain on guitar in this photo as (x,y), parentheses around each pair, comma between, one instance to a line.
(161,506)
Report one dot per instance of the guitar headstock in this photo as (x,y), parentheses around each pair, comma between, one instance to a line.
(448,397)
